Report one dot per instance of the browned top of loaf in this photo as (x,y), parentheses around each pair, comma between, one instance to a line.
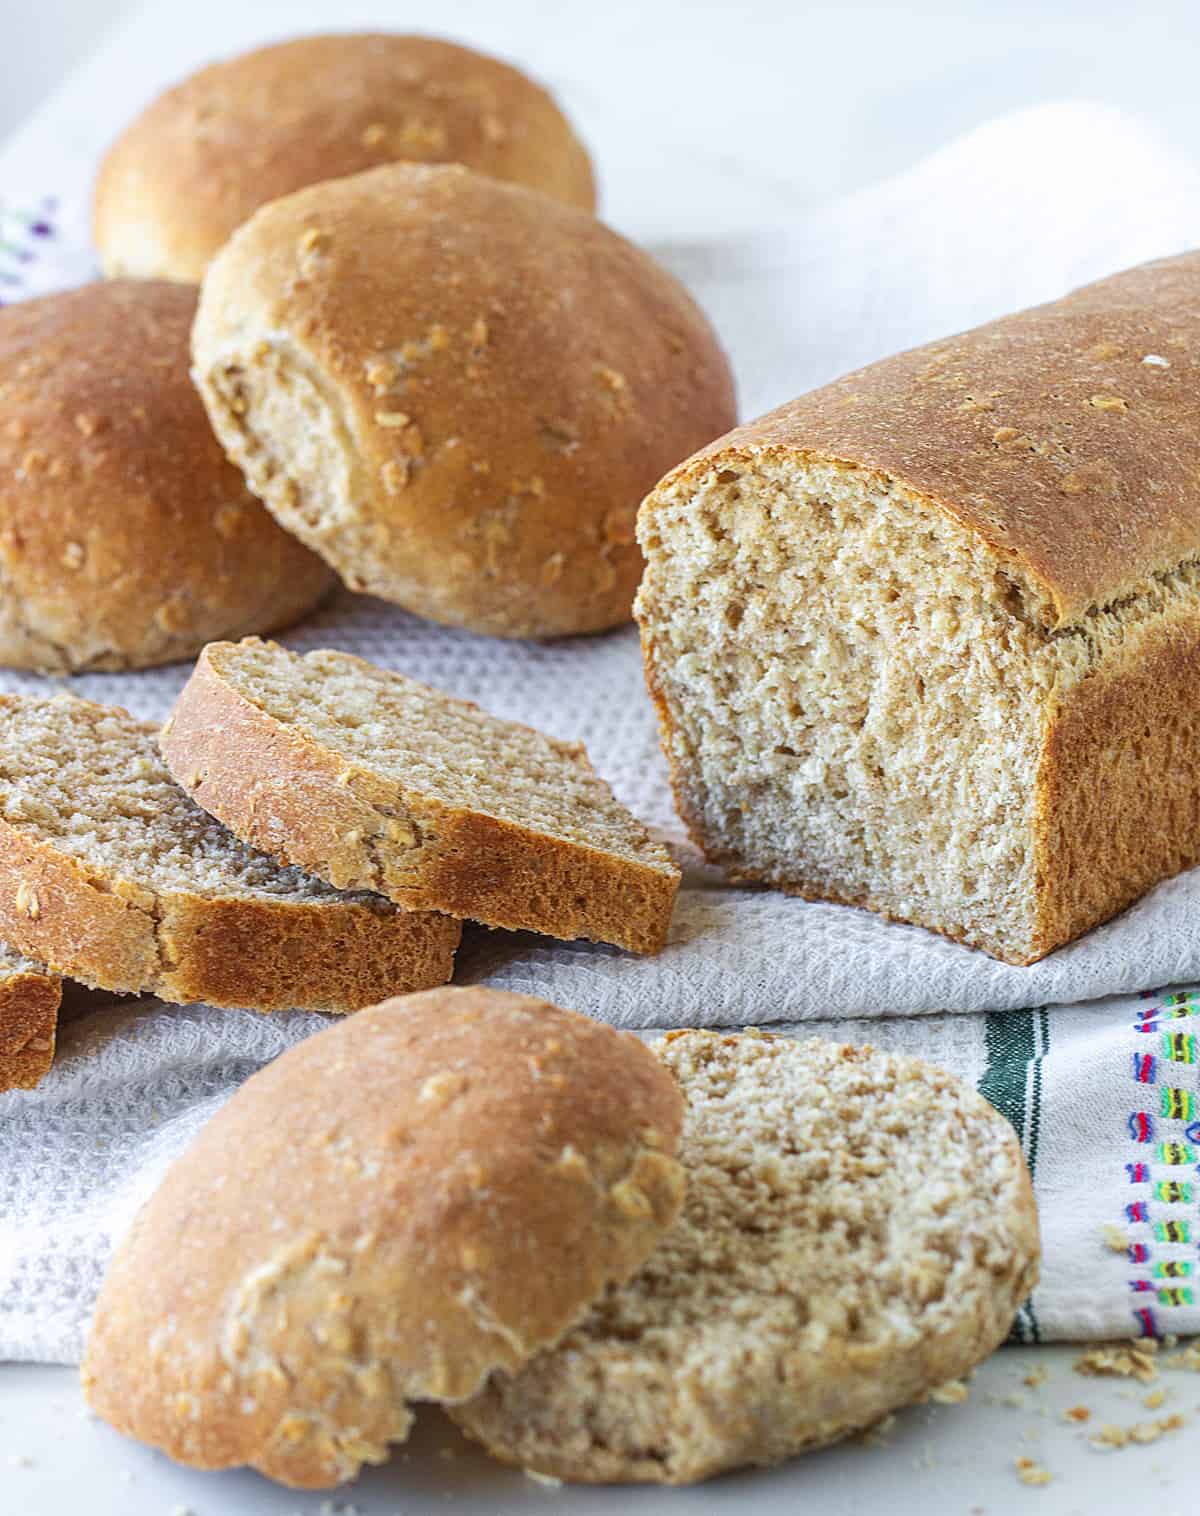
(105,448)
(1067,436)
(206,154)
(520,373)
(435,1188)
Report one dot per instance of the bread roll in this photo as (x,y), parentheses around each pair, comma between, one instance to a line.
(390,1211)
(457,392)
(858,1229)
(927,640)
(126,539)
(206,154)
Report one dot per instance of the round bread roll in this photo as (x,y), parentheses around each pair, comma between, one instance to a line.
(858,1229)
(126,538)
(457,392)
(390,1211)
(205,155)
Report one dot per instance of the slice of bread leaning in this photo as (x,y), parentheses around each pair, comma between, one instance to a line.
(373,781)
(30,996)
(109,873)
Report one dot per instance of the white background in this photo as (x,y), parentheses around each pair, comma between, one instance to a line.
(851,90)
(821,99)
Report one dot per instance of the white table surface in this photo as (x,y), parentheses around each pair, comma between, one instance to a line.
(937,1460)
(814,100)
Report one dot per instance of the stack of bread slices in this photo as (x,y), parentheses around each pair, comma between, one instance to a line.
(306,831)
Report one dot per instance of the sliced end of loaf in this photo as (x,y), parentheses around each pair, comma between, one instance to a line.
(850,706)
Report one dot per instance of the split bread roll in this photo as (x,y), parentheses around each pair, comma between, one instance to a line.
(109,873)
(927,640)
(457,392)
(126,537)
(389,1212)
(373,781)
(858,1229)
(206,154)
(30,997)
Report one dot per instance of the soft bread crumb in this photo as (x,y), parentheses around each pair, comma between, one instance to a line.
(797,1298)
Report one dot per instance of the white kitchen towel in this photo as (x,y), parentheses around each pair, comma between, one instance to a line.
(1016,211)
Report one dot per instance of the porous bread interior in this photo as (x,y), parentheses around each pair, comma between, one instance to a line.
(858,688)
(852,1222)
(268,406)
(428,742)
(88,780)
(13,963)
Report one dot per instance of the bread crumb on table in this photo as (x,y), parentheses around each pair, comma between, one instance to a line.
(1032,1473)
(953,1392)
(1133,1360)
(1112,1437)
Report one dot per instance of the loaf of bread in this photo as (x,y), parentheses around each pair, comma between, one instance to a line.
(206,154)
(126,537)
(858,1229)
(109,873)
(373,781)
(457,391)
(392,1210)
(30,996)
(927,640)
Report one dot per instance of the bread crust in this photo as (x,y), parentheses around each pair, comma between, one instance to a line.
(29,1004)
(360,1225)
(112,932)
(1081,508)
(457,392)
(1117,806)
(1047,434)
(288,795)
(202,157)
(105,449)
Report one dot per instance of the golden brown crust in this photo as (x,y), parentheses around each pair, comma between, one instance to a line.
(29,1003)
(495,381)
(1046,433)
(206,154)
(1118,789)
(105,448)
(288,795)
(114,932)
(360,1225)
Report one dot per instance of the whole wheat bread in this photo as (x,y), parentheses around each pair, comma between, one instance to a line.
(374,781)
(858,1229)
(109,873)
(30,996)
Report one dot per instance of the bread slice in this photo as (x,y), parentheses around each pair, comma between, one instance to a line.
(109,873)
(376,782)
(29,1000)
(858,1228)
